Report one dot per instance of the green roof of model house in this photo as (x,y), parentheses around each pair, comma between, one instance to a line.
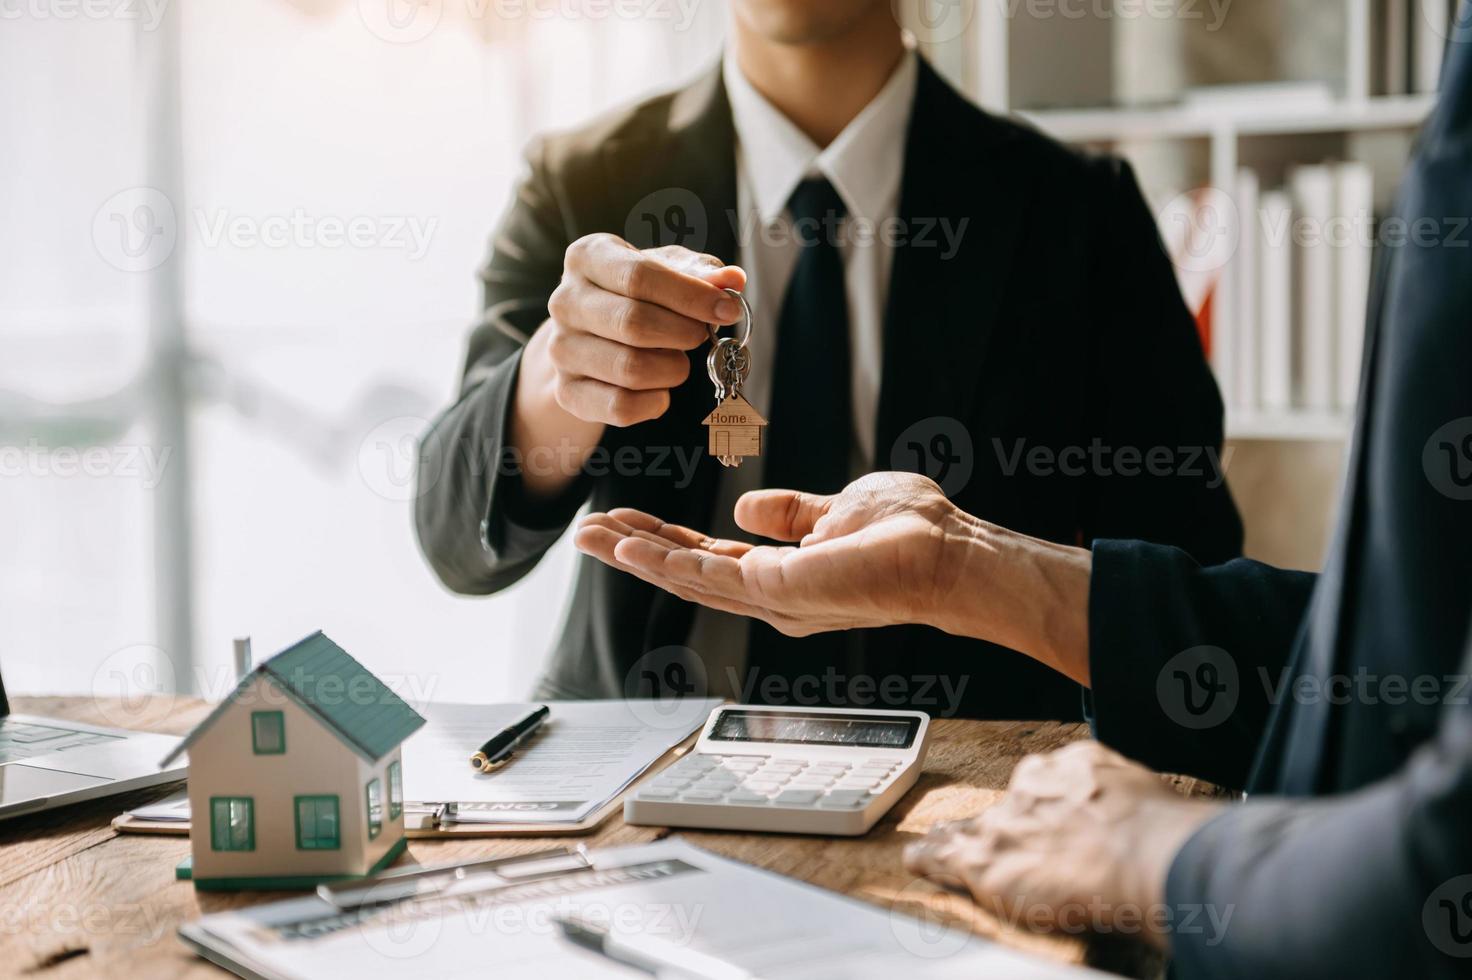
(325,680)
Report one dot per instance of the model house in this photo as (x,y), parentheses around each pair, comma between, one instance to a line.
(296,777)
(735,429)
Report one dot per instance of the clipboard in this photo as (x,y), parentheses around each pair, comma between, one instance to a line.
(497,917)
(430,821)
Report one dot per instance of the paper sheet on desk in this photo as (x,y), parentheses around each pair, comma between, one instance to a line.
(768,925)
(585,754)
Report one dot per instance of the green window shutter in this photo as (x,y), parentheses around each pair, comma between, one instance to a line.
(268,732)
(232,823)
(395,789)
(317,824)
(374,792)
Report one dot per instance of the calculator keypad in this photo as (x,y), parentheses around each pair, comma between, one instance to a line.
(747,780)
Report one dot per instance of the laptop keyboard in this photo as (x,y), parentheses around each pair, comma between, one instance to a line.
(23,740)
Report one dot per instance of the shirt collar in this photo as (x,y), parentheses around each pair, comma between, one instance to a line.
(864,162)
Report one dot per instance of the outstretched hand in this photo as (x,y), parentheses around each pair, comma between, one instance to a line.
(889,549)
(873,555)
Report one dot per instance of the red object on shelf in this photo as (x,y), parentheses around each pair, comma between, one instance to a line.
(1203,318)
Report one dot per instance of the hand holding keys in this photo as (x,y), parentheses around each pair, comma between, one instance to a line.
(621,322)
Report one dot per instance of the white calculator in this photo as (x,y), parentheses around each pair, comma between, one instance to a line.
(788,770)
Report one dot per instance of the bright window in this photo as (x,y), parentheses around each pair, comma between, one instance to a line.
(395,790)
(375,808)
(232,823)
(252,211)
(268,732)
(317,826)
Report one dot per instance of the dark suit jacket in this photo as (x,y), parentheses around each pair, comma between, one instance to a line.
(1352,688)
(1056,324)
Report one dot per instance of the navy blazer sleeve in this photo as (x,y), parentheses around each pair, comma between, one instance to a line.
(1157,618)
(1373,884)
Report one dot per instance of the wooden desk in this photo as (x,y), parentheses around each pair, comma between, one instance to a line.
(79,900)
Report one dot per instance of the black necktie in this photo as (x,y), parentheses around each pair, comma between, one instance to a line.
(811,408)
(811,431)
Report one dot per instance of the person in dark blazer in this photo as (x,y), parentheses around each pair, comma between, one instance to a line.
(979,303)
(1341,702)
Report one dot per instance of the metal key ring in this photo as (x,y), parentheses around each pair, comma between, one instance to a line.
(713,357)
(746,316)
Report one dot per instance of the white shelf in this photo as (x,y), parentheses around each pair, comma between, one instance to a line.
(1109,125)
(1288,426)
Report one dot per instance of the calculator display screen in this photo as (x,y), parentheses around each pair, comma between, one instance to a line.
(795,728)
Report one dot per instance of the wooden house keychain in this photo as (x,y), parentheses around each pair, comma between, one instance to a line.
(734,427)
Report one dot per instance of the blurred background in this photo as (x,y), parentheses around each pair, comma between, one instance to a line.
(238,241)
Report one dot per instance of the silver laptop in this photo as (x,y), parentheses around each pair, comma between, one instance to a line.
(46,762)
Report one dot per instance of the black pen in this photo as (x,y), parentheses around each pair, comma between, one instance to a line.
(498,748)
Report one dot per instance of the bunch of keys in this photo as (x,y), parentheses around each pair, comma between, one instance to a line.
(734,427)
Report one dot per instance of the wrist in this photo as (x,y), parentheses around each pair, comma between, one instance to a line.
(1155,836)
(1020,592)
(550,443)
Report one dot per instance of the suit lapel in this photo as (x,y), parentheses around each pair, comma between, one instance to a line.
(682,172)
(963,180)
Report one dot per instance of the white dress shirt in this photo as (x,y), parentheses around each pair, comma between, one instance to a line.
(864,163)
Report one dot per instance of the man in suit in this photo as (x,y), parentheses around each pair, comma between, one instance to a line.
(934,289)
(1340,701)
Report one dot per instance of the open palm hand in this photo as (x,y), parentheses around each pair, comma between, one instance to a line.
(871,555)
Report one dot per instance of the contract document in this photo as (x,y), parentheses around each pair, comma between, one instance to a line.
(581,759)
(669,893)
